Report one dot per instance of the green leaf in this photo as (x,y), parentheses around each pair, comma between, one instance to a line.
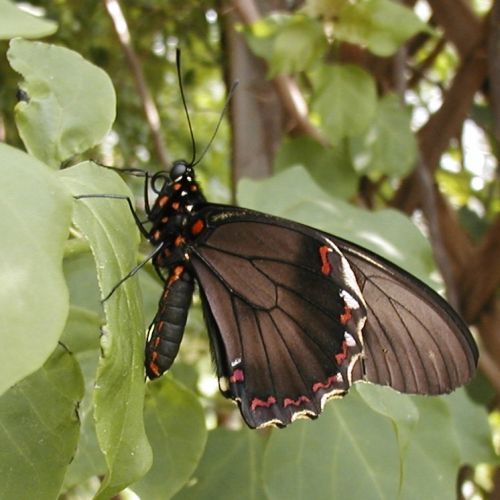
(36,210)
(386,232)
(345,100)
(272,37)
(39,429)
(71,102)
(81,332)
(472,429)
(388,146)
(380,25)
(327,9)
(307,38)
(349,452)
(330,167)
(119,394)
(15,22)
(261,34)
(432,458)
(399,408)
(230,468)
(88,461)
(175,422)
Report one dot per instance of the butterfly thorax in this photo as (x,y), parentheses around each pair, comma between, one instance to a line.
(173,214)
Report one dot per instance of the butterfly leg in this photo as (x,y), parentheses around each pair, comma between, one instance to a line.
(138,221)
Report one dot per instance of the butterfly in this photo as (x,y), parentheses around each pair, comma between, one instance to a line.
(294,315)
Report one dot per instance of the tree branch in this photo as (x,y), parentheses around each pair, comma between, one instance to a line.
(494,66)
(288,91)
(481,278)
(460,24)
(152,116)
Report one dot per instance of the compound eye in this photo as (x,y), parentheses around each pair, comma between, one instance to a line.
(178,169)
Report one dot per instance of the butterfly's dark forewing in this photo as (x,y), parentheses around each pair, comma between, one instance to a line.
(296,315)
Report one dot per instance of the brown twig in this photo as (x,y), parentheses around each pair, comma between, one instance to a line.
(287,89)
(152,116)
(481,277)
(494,67)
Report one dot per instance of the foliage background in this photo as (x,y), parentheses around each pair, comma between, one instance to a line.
(348,115)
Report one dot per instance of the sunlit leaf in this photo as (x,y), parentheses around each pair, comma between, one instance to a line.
(119,390)
(380,25)
(15,22)
(70,104)
(388,146)
(331,168)
(36,211)
(345,100)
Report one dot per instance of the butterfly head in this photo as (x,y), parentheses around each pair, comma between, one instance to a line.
(181,169)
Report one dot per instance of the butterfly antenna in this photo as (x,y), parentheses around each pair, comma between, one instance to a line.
(184,104)
(232,90)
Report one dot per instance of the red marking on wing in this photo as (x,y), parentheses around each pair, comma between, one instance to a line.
(163,200)
(197,227)
(256,402)
(164,220)
(194,187)
(179,241)
(346,315)
(157,234)
(175,205)
(324,385)
(295,402)
(237,376)
(177,186)
(342,354)
(326,268)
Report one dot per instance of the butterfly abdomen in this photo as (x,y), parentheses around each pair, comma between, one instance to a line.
(165,333)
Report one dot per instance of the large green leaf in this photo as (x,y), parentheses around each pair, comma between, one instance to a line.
(39,429)
(272,37)
(388,147)
(71,102)
(331,168)
(471,428)
(119,394)
(36,211)
(386,232)
(15,22)
(349,452)
(399,408)
(345,99)
(380,25)
(432,459)
(175,423)
(231,468)
(88,461)
(308,40)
